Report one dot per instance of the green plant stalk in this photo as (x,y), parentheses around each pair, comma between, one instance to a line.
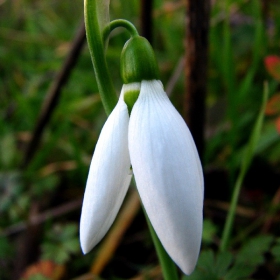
(169,270)
(96,37)
(119,23)
(231,213)
(96,47)
(249,153)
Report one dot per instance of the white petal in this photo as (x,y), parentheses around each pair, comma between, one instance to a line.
(168,173)
(108,179)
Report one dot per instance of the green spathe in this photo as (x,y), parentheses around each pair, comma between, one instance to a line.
(138,61)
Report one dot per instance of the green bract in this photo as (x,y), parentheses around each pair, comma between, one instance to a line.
(138,61)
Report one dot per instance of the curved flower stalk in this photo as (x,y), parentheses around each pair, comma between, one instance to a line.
(146,132)
(96,22)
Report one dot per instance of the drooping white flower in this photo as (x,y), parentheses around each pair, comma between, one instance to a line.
(155,140)
(145,133)
(108,179)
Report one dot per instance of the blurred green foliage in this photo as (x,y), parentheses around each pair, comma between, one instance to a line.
(35,37)
(60,243)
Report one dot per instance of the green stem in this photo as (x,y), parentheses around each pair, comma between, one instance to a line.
(120,23)
(231,213)
(246,161)
(169,270)
(96,48)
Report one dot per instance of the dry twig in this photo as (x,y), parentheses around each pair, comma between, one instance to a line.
(112,240)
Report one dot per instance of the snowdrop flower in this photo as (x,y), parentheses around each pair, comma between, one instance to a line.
(150,139)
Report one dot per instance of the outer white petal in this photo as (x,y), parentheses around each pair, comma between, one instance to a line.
(108,179)
(168,173)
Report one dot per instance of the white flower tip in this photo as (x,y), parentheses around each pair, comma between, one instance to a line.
(187,259)
(85,249)
(84,241)
(88,239)
(189,266)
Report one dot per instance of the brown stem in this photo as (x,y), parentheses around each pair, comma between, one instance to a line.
(265,9)
(196,68)
(39,218)
(146,19)
(54,93)
(113,239)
